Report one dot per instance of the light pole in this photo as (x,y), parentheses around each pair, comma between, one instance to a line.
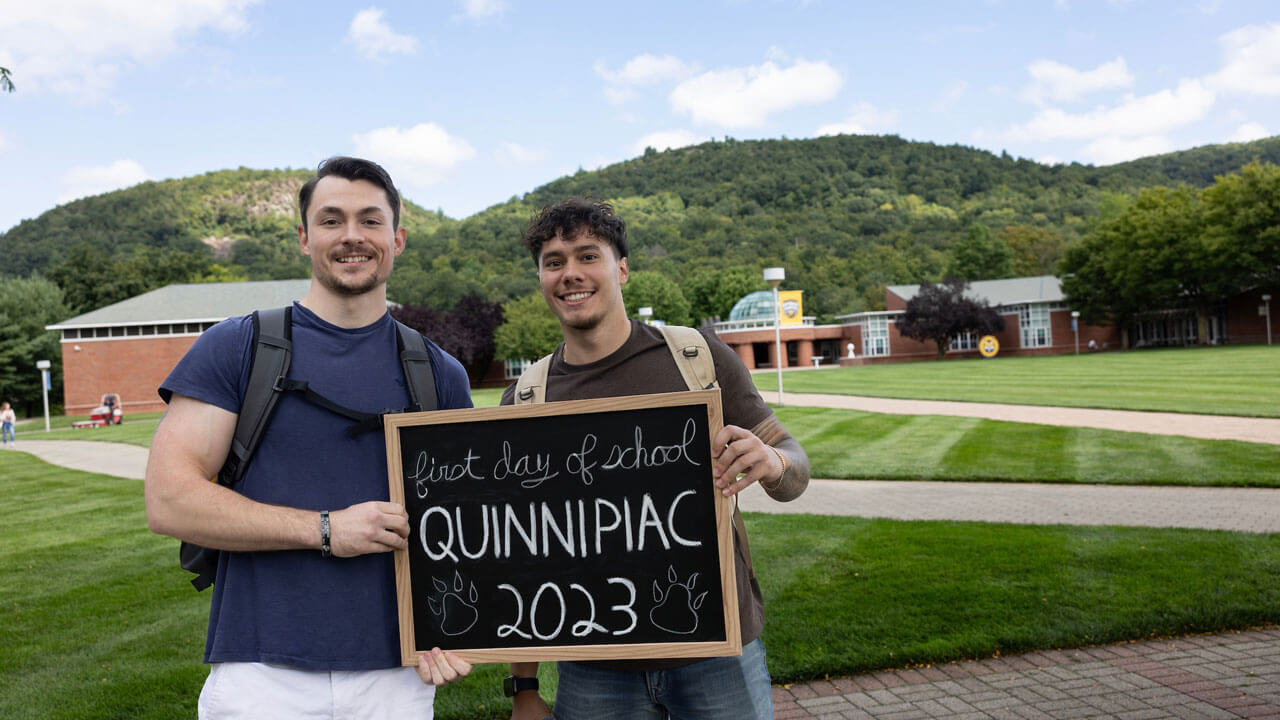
(774,276)
(1075,329)
(1266,310)
(43,367)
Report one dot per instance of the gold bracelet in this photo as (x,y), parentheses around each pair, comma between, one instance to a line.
(782,459)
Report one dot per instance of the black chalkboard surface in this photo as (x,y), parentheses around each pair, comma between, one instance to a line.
(580,530)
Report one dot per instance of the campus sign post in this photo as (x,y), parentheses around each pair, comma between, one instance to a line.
(774,276)
(43,367)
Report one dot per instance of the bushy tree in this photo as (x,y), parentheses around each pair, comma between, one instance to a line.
(1242,219)
(1151,255)
(529,329)
(943,311)
(712,292)
(466,332)
(27,305)
(651,289)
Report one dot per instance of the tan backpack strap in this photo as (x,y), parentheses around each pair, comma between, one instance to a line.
(692,355)
(532,385)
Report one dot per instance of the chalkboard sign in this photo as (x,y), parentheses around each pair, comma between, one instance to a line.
(580,530)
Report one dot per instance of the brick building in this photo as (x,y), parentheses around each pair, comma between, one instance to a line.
(1037,322)
(129,348)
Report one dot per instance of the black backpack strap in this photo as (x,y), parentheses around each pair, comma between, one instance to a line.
(268,366)
(419,381)
(416,361)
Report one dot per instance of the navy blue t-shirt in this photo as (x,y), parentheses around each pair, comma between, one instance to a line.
(295,607)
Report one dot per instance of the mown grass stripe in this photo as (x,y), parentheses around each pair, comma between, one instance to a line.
(850,444)
(1243,380)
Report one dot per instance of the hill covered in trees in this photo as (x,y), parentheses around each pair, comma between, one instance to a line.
(845,215)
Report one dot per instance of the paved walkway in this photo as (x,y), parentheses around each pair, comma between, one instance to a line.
(1226,675)
(1211,427)
(1244,509)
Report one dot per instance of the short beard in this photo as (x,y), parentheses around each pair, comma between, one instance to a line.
(337,287)
(351,291)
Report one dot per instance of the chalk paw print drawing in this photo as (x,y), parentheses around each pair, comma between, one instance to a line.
(676,608)
(455,607)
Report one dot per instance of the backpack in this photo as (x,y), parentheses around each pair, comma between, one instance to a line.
(268,368)
(692,356)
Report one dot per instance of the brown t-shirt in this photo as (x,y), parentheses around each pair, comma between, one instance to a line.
(642,366)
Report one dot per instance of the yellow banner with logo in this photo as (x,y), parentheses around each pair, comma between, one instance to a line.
(792,308)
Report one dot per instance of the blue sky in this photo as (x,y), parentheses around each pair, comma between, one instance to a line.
(469,102)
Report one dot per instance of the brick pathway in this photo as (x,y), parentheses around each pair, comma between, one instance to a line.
(1227,675)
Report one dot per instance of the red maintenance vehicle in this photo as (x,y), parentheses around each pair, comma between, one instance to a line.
(108,412)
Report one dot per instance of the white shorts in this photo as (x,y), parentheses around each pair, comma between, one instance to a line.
(240,691)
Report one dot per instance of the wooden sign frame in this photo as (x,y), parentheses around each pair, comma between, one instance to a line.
(723,510)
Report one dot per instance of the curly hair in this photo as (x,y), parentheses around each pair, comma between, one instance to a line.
(571,217)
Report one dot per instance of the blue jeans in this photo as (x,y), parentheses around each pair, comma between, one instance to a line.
(728,688)
(8,432)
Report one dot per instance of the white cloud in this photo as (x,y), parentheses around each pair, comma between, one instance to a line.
(950,96)
(85,180)
(1147,115)
(646,69)
(1252,61)
(746,97)
(424,153)
(638,71)
(863,119)
(1244,133)
(510,153)
(666,140)
(1111,149)
(481,9)
(374,38)
(79,47)
(1053,81)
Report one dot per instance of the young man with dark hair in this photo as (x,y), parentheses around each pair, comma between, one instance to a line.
(580,250)
(303,616)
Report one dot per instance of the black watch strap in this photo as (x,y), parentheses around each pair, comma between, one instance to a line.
(512,685)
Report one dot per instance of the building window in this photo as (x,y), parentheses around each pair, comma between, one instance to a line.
(965,341)
(514,368)
(1033,324)
(875,336)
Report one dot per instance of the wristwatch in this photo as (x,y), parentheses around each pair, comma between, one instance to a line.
(512,685)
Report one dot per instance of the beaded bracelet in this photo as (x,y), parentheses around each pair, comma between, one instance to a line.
(325,550)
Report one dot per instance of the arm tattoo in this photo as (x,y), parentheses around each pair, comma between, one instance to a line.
(796,477)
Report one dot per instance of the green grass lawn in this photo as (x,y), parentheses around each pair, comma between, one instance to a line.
(135,431)
(859,445)
(849,444)
(99,622)
(1241,380)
